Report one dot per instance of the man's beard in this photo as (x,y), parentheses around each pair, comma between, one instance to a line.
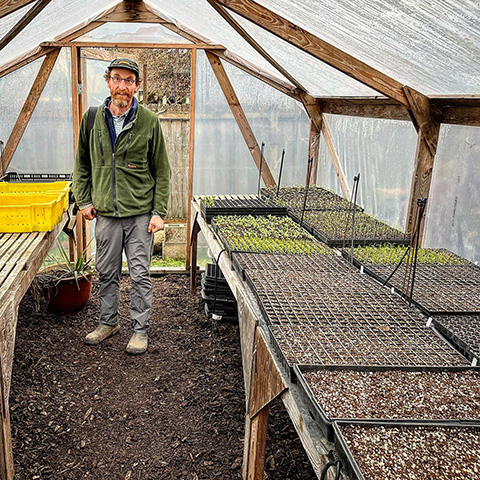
(120,103)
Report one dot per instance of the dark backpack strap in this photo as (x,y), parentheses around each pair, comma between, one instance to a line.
(92,111)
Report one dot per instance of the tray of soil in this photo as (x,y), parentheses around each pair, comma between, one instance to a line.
(318,198)
(425,395)
(463,332)
(268,234)
(445,283)
(418,452)
(335,229)
(212,206)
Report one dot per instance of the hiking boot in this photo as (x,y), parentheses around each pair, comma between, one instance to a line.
(138,343)
(101,333)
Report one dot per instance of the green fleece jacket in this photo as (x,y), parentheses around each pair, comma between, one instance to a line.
(134,178)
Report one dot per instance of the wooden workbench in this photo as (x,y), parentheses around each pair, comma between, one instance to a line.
(264,376)
(21,255)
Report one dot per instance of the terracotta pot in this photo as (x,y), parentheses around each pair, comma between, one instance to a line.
(68,298)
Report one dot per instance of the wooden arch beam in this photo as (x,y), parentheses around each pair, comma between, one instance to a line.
(427,124)
(317,47)
(23,22)
(240,117)
(10,6)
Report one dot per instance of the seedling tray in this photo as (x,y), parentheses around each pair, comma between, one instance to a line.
(325,421)
(318,199)
(463,332)
(240,205)
(438,289)
(36,177)
(352,467)
(345,319)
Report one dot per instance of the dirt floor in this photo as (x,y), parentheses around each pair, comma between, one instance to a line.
(176,412)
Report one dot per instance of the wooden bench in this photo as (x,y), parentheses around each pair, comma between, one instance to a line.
(21,255)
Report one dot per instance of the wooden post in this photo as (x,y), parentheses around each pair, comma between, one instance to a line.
(313,147)
(337,165)
(191,145)
(28,108)
(6,451)
(427,124)
(258,441)
(240,117)
(267,384)
(193,248)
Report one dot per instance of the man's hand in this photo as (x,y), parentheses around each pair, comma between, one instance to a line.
(89,213)
(156,224)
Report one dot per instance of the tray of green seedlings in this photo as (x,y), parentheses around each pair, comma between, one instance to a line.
(318,198)
(463,331)
(445,283)
(335,229)
(266,234)
(390,394)
(214,205)
(408,451)
(345,319)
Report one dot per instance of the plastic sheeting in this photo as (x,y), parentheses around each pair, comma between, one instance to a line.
(223,163)
(383,152)
(133,32)
(13,97)
(453,210)
(57,17)
(47,143)
(327,81)
(430,45)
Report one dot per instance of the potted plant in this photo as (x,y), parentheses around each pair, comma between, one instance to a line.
(66,285)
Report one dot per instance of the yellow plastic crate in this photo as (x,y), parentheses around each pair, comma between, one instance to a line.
(14,188)
(31,212)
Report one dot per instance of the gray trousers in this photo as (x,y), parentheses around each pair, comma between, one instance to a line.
(113,235)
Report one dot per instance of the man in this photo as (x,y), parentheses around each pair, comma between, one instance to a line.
(121,177)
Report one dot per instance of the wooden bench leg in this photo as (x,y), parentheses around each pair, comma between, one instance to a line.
(258,440)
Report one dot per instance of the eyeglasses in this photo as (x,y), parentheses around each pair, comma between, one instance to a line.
(118,80)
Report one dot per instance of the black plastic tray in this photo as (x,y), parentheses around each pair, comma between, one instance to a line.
(346,254)
(13,177)
(462,346)
(346,456)
(240,205)
(325,422)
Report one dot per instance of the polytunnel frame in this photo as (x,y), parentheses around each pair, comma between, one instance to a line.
(396,102)
(401,101)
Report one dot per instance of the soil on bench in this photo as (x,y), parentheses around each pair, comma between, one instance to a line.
(176,412)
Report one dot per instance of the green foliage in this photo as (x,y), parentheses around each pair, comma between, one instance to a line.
(208,200)
(338,225)
(391,255)
(64,268)
(266,234)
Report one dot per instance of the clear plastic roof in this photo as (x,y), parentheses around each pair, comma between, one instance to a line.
(57,17)
(430,45)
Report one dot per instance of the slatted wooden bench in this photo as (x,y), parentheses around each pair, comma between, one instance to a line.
(21,255)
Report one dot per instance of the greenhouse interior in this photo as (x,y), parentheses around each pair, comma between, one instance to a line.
(322,224)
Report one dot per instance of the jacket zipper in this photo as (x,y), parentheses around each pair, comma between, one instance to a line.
(126,147)
(114,188)
(101,146)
